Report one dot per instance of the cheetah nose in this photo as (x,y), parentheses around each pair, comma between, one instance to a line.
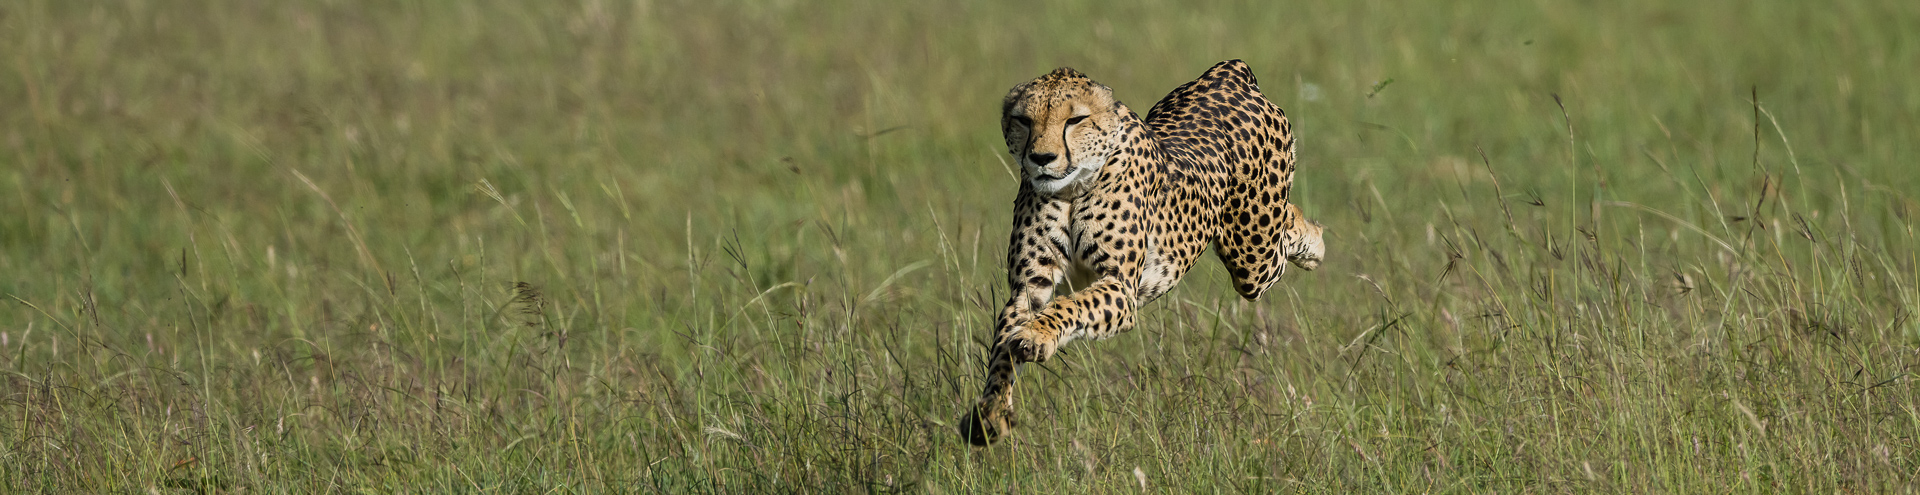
(1041,159)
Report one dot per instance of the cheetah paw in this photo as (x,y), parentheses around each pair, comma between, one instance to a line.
(1029,346)
(987,422)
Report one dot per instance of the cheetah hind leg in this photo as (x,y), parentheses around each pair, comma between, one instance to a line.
(1260,239)
(992,416)
(1302,243)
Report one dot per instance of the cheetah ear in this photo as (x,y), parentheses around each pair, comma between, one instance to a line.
(1114,105)
(1017,91)
(1106,94)
(1014,95)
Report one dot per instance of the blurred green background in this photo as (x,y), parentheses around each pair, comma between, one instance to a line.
(273,246)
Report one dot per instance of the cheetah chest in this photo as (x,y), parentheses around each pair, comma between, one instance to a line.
(1158,273)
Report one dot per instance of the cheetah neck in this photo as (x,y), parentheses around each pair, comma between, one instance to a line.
(1137,155)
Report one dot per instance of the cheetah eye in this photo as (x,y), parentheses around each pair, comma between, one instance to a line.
(1076,120)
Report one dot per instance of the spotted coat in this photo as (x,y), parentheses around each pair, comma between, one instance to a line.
(1126,206)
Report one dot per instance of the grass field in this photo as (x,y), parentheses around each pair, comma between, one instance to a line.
(679,246)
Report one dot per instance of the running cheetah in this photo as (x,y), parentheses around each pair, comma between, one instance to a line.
(1129,205)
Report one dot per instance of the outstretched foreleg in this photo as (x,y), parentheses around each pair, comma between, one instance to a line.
(1035,324)
(1035,263)
(1100,310)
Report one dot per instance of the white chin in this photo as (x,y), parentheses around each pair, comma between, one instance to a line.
(1051,186)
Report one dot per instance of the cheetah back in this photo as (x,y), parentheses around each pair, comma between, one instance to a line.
(1230,158)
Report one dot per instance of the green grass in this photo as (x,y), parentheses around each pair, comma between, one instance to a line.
(273,247)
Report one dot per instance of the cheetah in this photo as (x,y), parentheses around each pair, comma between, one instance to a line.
(1127,206)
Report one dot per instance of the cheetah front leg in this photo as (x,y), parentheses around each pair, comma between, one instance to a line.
(1102,309)
(1035,264)
(992,415)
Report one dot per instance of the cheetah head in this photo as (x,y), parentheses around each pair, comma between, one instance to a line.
(1061,127)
